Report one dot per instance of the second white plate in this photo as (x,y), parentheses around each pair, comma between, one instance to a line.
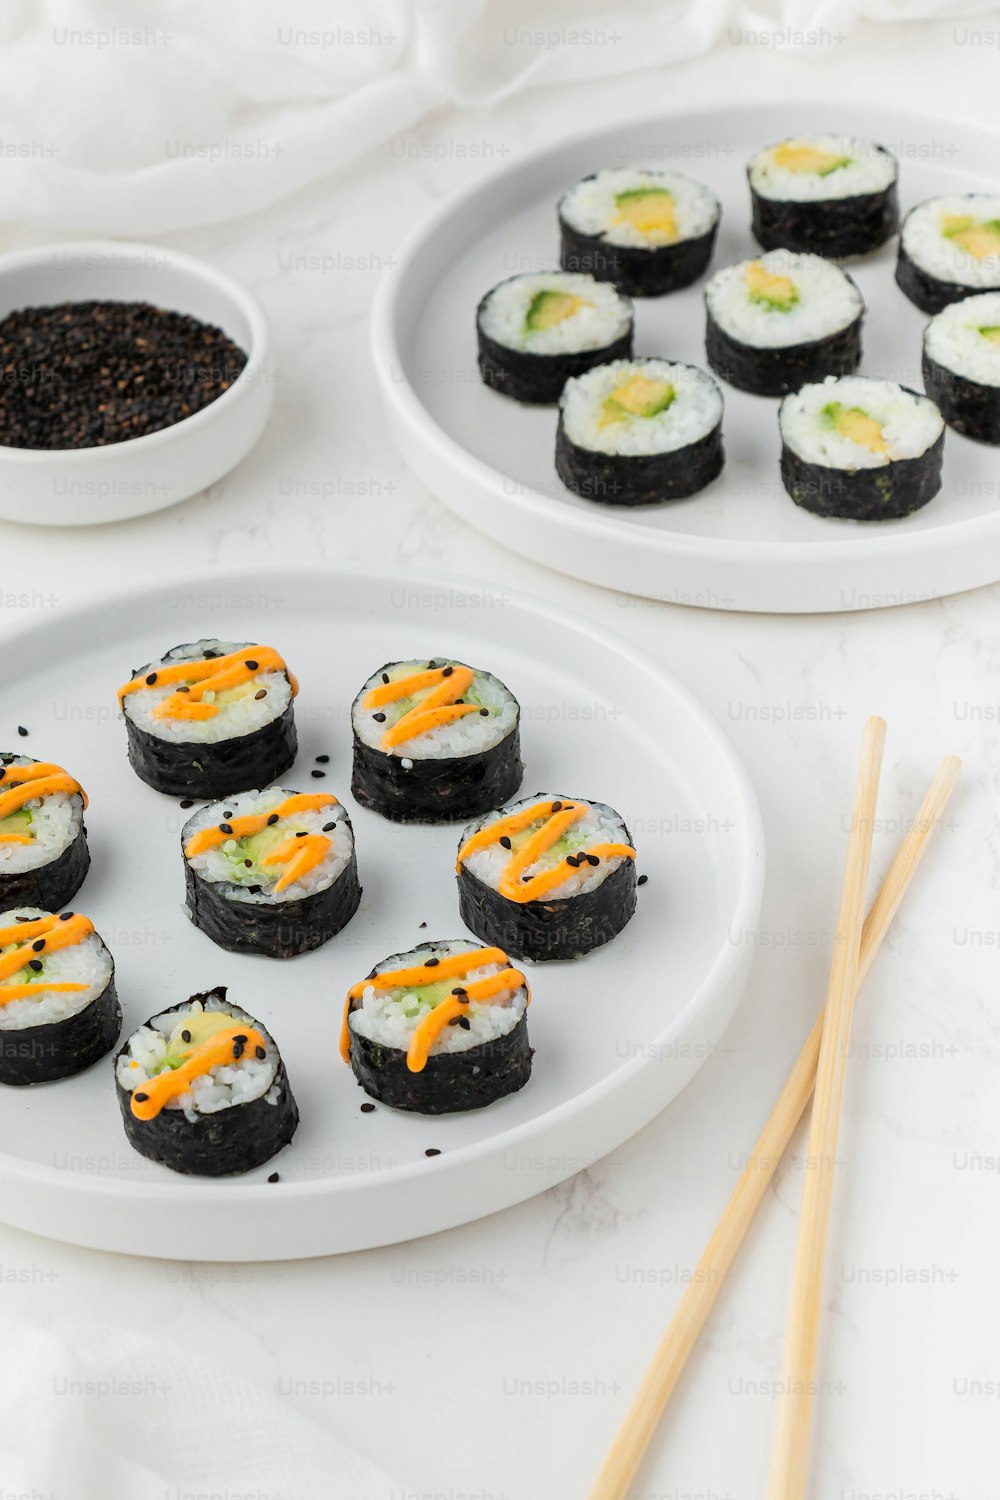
(741,544)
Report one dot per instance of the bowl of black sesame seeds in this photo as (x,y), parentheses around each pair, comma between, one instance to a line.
(131,377)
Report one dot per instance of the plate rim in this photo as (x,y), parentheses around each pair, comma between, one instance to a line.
(725,968)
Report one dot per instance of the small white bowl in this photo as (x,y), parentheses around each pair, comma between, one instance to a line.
(83,486)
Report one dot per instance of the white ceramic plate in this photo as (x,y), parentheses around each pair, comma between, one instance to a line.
(616,1035)
(741,544)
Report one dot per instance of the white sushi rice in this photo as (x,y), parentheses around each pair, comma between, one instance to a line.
(380,1016)
(88,963)
(56,821)
(604,317)
(215,867)
(828,301)
(240,710)
(910,423)
(926,244)
(234,1083)
(591,208)
(599,825)
(469,735)
(695,410)
(869,170)
(953,339)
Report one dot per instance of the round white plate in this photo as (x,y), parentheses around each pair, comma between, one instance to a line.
(742,543)
(617,1035)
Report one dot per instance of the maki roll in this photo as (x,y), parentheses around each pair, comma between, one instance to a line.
(648,232)
(828,195)
(439,1029)
(774,323)
(203,1090)
(58,1008)
(639,431)
(271,872)
(547,877)
(434,741)
(962,366)
(863,450)
(536,331)
(43,843)
(210,718)
(950,248)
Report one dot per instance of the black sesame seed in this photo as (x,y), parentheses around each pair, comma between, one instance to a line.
(323,759)
(317,775)
(594,860)
(458,991)
(36,964)
(140,1098)
(367,1109)
(272,820)
(642,880)
(65,916)
(525,879)
(251,666)
(379,718)
(504,841)
(225,828)
(572,860)
(187,802)
(261,1052)
(227,816)
(484,713)
(240,1038)
(454,1020)
(432,1151)
(185,1036)
(328,827)
(274,1177)
(248,863)
(260,695)
(464,1022)
(462,999)
(211,655)
(182,689)
(385,677)
(238,1048)
(431,963)
(34,919)
(22,731)
(447,671)
(150,680)
(421,924)
(557,807)
(302,833)
(38,945)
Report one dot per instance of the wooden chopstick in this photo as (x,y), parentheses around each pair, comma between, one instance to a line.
(664,1371)
(793,1422)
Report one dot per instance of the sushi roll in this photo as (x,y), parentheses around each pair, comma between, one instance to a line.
(203,1090)
(271,872)
(210,718)
(648,232)
(58,1008)
(826,195)
(962,366)
(949,248)
(547,877)
(863,450)
(439,1029)
(43,843)
(639,431)
(434,741)
(536,331)
(779,321)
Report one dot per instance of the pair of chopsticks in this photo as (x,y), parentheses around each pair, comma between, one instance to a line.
(820,1067)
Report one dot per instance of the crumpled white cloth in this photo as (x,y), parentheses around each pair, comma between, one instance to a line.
(92,1412)
(145,116)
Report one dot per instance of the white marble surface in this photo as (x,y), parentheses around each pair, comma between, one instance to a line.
(449,1336)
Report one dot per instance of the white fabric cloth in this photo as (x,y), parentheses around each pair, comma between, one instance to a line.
(140,117)
(98,1413)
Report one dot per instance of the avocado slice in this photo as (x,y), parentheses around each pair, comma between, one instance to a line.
(854,423)
(799,156)
(992,333)
(255,847)
(980,240)
(550,308)
(639,396)
(199,1028)
(651,211)
(778,293)
(17,822)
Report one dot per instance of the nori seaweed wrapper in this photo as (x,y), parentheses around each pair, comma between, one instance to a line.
(832,227)
(777,372)
(40,1054)
(881,494)
(231,1140)
(542,930)
(926,291)
(449,1081)
(49,886)
(638,479)
(637,271)
(971,408)
(538,379)
(278,929)
(188,769)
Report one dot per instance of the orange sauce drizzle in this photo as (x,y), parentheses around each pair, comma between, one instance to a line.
(554,818)
(209,675)
(21,784)
(449,966)
(248,824)
(52,933)
(441,687)
(224,1047)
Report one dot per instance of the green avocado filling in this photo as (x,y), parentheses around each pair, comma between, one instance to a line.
(17,822)
(639,396)
(550,308)
(424,997)
(992,333)
(400,706)
(245,857)
(192,1032)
